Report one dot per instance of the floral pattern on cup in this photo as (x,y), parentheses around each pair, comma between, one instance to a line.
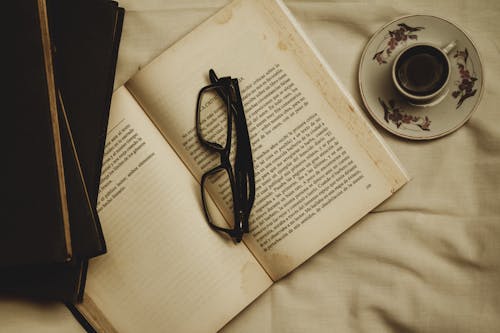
(396,37)
(394,114)
(465,86)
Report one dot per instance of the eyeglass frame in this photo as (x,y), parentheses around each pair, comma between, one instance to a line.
(243,184)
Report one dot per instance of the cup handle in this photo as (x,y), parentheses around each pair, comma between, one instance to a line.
(449,47)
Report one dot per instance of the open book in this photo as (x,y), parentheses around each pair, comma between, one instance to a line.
(319,168)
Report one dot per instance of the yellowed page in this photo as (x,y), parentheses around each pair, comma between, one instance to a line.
(164,267)
(319,165)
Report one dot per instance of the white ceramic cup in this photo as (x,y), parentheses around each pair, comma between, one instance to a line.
(421,73)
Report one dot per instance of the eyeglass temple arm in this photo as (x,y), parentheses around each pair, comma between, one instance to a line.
(214,79)
(240,116)
(243,166)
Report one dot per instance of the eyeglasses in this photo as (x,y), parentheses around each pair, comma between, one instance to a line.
(219,105)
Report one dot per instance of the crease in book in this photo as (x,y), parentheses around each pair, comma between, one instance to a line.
(63,75)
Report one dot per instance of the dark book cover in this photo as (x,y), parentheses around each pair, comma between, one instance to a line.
(85,62)
(36,226)
(54,282)
(75,72)
(86,53)
(86,235)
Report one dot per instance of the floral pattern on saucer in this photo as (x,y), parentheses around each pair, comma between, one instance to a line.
(467,80)
(391,110)
(396,37)
(394,114)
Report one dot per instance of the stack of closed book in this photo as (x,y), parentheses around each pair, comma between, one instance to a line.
(61,78)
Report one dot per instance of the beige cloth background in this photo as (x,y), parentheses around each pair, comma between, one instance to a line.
(428,259)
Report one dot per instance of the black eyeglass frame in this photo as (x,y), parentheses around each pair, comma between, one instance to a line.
(242,179)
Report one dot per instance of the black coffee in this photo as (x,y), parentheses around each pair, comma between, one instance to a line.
(421,70)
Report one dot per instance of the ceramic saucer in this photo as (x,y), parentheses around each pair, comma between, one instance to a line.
(391,110)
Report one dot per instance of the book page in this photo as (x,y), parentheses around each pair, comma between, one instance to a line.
(319,167)
(164,266)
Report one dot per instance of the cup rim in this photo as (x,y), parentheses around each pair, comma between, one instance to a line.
(420,98)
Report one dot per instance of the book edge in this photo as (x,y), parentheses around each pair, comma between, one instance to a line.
(91,208)
(93,315)
(49,70)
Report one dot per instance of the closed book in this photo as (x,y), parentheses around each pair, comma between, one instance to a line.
(56,282)
(86,53)
(36,227)
(85,133)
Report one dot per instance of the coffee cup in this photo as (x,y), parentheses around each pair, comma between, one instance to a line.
(421,73)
